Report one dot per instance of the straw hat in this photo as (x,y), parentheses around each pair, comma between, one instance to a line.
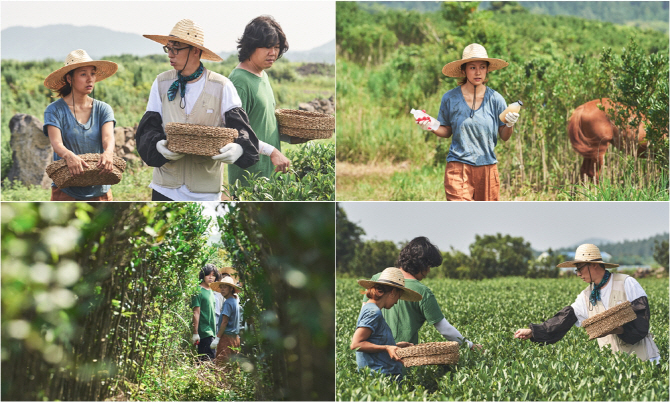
(79,58)
(228,270)
(217,286)
(587,253)
(190,33)
(472,52)
(392,277)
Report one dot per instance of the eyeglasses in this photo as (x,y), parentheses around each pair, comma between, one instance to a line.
(174,50)
(579,268)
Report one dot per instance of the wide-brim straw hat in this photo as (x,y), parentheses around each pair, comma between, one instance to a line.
(587,253)
(217,286)
(79,58)
(472,52)
(188,32)
(392,277)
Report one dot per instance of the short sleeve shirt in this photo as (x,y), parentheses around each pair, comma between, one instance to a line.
(406,318)
(78,140)
(205,300)
(231,310)
(474,133)
(371,317)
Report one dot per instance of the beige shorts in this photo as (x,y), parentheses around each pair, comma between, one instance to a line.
(463,182)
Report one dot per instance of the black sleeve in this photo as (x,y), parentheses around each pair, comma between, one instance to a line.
(555,328)
(149,132)
(634,331)
(237,118)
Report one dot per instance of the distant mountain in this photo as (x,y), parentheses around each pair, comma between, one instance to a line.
(55,41)
(625,252)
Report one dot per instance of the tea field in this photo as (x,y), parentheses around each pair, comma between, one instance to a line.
(488,312)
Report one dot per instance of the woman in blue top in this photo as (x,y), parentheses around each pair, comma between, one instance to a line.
(227,341)
(373,340)
(78,124)
(470,112)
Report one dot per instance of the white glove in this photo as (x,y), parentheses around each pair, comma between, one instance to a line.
(195,338)
(161,146)
(429,125)
(215,342)
(229,154)
(511,118)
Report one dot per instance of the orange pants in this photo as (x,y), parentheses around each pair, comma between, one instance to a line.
(463,182)
(58,195)
(223,350)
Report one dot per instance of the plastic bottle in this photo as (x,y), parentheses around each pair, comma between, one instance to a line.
(421,115)
(513,108)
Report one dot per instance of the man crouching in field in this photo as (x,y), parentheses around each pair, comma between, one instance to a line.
(406,318)
(611,289)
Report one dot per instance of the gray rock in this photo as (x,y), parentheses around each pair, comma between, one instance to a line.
(31,151)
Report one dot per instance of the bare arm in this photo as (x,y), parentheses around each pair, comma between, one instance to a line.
(196,319)
(75,164)
(359,342)
(224,323)
(505,132)
(443,131)
(106,161)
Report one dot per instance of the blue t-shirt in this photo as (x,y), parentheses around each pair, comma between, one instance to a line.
(371,317)
(473,138)
(78,140)
(230,310)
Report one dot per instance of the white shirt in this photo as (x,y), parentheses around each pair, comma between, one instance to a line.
(229,100)
(631,287)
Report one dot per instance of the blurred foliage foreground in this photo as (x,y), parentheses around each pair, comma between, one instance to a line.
(390,61)
(96,301)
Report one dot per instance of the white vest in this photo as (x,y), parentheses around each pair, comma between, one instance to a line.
(200,174)
(645,348)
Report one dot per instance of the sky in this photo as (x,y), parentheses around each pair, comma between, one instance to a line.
(543,224)
(307,24)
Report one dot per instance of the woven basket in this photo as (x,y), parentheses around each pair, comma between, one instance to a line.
(304,124)
(602,323)
(194,139)
(429,353)
(92,176)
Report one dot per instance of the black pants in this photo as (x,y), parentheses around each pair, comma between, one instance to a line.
(156,196)
(205,348)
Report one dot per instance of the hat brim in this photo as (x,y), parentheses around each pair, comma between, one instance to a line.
(217,286)
(453,69)
(163,40)
(408,294)
(571,264)
(103,69)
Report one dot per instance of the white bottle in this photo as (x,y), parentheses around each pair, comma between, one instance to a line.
(421,115)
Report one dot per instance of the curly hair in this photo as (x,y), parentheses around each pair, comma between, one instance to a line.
(207,270)
(418,256)
(262,31)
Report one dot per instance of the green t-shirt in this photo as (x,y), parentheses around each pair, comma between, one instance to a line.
(258,101)
(406,318)
(205,300)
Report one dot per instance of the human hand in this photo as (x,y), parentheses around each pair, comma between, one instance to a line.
(75,164)
(215,342)
(161,146)
(511,118)
(195,339)
(523,333)
(392,351)
(280,161)
(229,154)
(106,162)
(404,344)
(427,122)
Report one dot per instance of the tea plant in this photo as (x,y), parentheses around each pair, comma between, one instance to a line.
(488,312)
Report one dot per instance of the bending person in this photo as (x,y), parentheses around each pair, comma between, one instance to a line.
(406,319)
(190,93)
(470,112)
(605,290)
(373,340)
(77,124)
